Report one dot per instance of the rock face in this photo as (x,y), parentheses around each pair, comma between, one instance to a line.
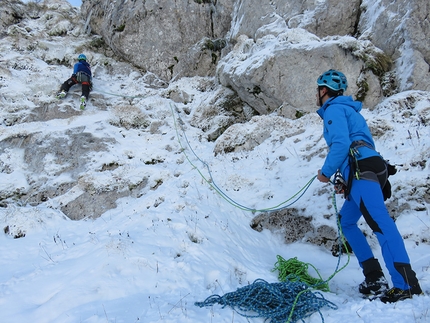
(286,79)
(252,16)
(157,35)
(380,45)
(401,29)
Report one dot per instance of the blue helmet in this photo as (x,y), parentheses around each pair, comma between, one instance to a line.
(82,57)
(334,80)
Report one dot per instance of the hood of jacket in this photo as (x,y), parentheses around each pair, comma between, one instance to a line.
(344,100)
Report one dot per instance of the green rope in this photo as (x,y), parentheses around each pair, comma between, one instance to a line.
(178,123)
(296,270)
(342,239)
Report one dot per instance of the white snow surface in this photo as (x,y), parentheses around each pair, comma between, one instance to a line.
(152,257)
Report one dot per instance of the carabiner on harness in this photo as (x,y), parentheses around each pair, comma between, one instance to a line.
(340,185)
(354,153)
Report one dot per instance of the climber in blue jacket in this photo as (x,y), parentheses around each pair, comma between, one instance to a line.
(364,173)
(82,75)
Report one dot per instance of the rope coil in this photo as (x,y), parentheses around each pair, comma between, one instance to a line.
(290,300)
(278,302)
(295,270)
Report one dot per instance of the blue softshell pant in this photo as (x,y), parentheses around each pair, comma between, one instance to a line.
(366,199)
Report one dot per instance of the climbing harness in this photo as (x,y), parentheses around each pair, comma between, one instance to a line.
(364,169)
(211,181)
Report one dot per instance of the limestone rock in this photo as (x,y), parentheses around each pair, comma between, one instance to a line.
(157,35)
(401,29)
(381,57)
(322,18)
(286,76)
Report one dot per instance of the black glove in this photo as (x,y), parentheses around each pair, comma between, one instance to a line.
(391,169)
(386,190)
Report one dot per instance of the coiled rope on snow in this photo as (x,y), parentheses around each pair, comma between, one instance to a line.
(280,302)
(295,270)
(290,300)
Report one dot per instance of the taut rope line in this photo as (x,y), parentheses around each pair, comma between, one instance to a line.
(211,182)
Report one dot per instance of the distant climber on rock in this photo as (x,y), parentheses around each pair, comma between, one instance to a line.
(82,75)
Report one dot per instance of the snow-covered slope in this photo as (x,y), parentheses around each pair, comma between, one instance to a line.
(169,239)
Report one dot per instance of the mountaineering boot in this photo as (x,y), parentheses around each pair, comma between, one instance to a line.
(374,282)
(61,95)
(83,102)
(396,294)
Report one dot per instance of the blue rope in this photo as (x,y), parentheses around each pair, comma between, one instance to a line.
(285,302)
(278,302)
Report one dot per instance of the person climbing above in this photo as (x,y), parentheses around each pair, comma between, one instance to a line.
(352,156)
(81,74)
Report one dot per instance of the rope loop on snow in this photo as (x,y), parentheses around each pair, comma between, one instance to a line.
(290,300)
(211,181)
(278,302)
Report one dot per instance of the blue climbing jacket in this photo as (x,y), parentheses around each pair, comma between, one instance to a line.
(82,66)
(343,124)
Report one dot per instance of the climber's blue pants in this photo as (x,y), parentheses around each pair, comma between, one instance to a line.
(366,199)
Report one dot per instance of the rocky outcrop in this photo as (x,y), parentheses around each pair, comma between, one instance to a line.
(280,74)
(401,29)
(380,45)
(300,46)
(158,35)
(317,17)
